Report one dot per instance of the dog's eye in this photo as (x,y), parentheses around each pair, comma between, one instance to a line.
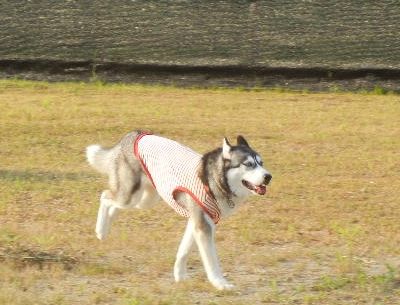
(248,164)
(259,161)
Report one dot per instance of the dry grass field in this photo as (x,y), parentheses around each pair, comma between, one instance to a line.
(327,233)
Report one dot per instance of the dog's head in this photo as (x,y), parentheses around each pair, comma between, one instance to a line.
(244,169)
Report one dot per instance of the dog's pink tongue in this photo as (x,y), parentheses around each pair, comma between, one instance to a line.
(261,189)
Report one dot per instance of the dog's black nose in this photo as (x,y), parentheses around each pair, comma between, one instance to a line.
(267,178)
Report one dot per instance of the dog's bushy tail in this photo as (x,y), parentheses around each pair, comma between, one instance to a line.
(99,158)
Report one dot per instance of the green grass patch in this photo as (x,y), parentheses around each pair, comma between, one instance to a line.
(325,233)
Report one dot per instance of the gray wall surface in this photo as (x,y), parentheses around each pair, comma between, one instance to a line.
(278,33)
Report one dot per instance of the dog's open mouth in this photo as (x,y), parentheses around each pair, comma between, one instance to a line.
(258,189)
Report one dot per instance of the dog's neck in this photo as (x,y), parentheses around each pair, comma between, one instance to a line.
(213,175)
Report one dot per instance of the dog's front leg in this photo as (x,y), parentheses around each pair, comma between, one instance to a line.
(180,268)
(204,234)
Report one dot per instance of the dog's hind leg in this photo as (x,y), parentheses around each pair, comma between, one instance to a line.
(149,196)
(180,267)
(106,214)
(125,186)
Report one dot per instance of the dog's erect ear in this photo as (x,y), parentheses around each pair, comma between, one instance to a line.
(226,149)
(242,141)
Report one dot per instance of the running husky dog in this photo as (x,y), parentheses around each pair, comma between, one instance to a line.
(143,167)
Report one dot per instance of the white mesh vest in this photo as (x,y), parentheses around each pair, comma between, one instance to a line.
(173,168)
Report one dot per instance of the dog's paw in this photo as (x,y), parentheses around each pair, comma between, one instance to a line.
(100,235)
(101,231)
(222,284)
(180,275)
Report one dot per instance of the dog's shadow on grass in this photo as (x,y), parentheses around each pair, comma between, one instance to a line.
(43,176)
(24,257)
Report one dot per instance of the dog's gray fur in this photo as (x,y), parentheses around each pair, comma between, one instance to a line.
(223,170)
